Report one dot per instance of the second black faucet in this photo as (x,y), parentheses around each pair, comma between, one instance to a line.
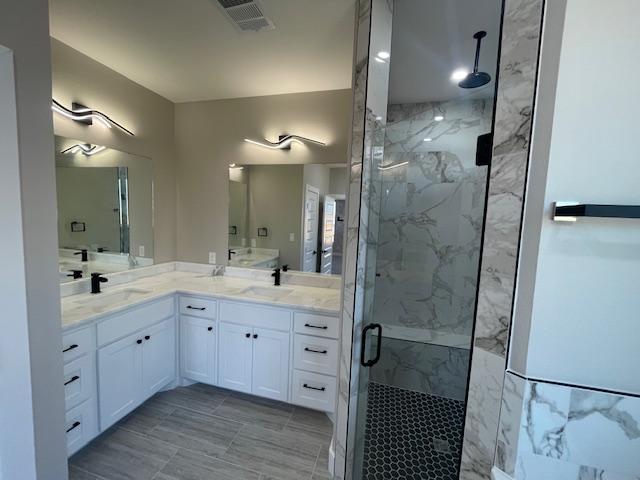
(276,276)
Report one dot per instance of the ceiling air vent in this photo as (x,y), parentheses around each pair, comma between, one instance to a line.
(246,15)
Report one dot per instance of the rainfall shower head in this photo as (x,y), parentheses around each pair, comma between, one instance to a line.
(476,79)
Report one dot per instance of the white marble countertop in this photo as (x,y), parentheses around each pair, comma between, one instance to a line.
(78,310)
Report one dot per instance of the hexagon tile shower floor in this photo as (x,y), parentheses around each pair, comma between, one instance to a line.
(411,435)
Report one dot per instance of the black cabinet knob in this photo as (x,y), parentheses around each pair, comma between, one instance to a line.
(138,342)
(255,335)
(247,335)
(209,328)
(147,337)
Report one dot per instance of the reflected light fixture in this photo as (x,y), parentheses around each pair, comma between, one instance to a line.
(391,166)
(384,55)
(438,118)
(284,142)
(459,74)
(85,148)
(379,60)
(82,114)
(428,139)
(233,166)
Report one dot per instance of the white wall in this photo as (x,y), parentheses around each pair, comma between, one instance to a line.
(32,439)
(585,302)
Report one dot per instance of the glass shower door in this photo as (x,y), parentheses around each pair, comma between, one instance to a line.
(425,195)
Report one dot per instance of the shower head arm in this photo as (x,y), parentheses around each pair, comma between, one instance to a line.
(478,36)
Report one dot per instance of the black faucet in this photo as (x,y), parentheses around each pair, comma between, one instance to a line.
(75,274)
(276,276)
(231,252)
(83,252)
(96,280)
(285,268)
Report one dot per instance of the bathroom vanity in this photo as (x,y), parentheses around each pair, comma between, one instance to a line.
(175,324)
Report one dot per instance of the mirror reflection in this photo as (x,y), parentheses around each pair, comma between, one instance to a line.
(105,209)
(289,216)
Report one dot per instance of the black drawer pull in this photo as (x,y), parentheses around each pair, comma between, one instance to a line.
(307,349)
(321,389)
(247,335)
(209,328)
(147,337)
(72,379)
(75,425)
(70,348)
(139,341)
(255,335)
(321,327)
(196,308)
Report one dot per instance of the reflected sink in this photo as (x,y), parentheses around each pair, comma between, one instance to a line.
(103,299)
(270,293)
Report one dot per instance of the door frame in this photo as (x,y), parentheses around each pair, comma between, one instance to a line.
(308,186)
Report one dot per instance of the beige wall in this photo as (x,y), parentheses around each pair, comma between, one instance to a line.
(209,136)
(338,180)
(77,77)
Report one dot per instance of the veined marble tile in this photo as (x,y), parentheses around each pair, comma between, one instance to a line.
(510,418)
(483,413)
(422,367)
(534,467)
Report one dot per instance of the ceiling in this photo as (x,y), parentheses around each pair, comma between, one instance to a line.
(431,39)
(188,50)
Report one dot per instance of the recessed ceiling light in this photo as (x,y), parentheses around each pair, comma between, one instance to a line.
(438,118)
(459,74)
(428,139)
(379,60)
(384,54)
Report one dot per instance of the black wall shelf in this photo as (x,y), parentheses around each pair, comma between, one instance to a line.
(564,211)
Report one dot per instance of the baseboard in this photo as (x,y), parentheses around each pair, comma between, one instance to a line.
(497,474)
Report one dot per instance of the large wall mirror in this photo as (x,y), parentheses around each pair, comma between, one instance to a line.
(105,209)
(288,216)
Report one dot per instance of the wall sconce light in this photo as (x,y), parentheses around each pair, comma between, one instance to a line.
(82,114)
(284,142)
(85,148)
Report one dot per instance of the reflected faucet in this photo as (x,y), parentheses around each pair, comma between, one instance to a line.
(96,280)
(231,252)
(85,256)
(276,276)
(133,261)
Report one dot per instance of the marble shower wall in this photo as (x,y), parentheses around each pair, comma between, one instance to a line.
(431,220)
(522,20)
(548,431)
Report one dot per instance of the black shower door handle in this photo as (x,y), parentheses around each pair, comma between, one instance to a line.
(363,345)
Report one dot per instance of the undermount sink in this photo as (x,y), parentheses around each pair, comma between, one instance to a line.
(271,293)
(116,297)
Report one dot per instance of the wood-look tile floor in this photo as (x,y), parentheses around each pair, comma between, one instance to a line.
(205,433)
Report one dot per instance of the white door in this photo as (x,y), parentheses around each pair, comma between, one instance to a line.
(328,234)
(197,349)
(119,378)
(235,357)
(310,229)
(158,357)
(270,364)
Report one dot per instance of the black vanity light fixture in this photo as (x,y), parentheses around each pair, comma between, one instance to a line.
(85,148)
(284,142)
(82,114)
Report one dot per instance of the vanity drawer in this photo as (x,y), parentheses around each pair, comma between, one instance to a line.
(255,316)
(81,424)
(198,307)
(315,391)
(314,324)
(124,324)
(78,343)
(315,354)
(79,380)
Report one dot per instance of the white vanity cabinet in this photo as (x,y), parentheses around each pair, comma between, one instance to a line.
(79,378)
(133,368)
(198,349)
(254,349)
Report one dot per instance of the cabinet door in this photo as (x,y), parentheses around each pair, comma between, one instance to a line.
(270,364)
(158,357)
(119,378)
(197,349)
(234,369)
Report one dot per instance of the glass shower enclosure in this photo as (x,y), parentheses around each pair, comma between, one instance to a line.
(426,201)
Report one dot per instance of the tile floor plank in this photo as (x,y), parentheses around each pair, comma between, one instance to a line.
(255,411)
(198,397)
(188,465)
